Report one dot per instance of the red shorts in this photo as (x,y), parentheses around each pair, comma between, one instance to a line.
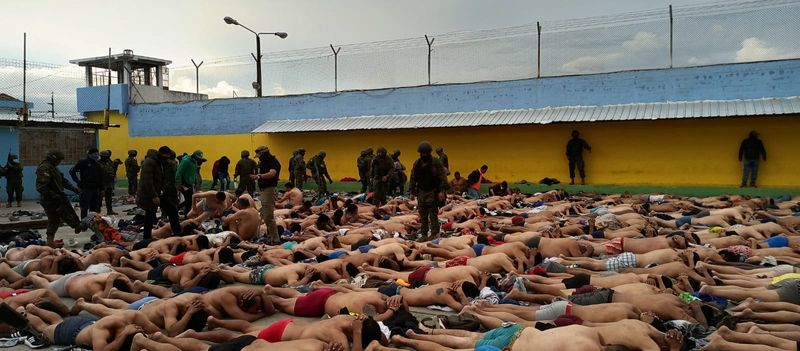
(7,294)
(178,259)
(458,261)
(418,275)
(274,332)
(615,246)
(313,303)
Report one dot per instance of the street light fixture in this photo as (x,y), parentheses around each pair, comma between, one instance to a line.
(257,56)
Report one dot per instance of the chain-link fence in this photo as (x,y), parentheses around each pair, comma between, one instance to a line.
(714,33)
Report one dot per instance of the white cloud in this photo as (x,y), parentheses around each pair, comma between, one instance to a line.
(223,89)
(643,41)
(590,63)
(754,49)
(182,84)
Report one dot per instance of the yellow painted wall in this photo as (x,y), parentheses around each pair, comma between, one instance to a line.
(676,152)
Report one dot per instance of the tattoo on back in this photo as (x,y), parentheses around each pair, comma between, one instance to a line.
(439,291)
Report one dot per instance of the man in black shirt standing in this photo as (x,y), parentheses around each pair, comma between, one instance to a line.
(89,182)
(750,151)
(575,148)
(269,170)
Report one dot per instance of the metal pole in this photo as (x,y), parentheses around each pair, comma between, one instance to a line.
(670,36)
(430,43)
(335,68)
(24,78)
(108,92)
(538,50)
(197,76)
(52,106)
(258,63)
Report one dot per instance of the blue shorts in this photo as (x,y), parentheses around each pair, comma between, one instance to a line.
(337,254)
(478,248)
(777,241)
(141,302)
(683,220)
(66,331)
(365,248)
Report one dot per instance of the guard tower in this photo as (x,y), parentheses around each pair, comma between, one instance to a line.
(126,68)
(115,81)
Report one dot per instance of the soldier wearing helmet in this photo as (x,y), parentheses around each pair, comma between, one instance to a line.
(88,175)
(244,169)
(13,173)
(428,183)
(108,176)
(132,168)
(364,163)
(50,183)
(382,170)
(443,159)
(319,171)
(297,170)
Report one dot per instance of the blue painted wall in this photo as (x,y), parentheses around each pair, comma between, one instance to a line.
(236,116)
(94,99)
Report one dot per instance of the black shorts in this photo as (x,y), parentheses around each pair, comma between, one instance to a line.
(236,344)
(576,281)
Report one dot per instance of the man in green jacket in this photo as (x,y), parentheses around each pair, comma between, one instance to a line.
(50,183)
(364,162)
(319,171)
(298,168)
(381,171)
(108,178)
(186,178)
(428,182)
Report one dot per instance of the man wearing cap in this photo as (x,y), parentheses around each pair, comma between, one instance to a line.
(88,175)
(50,183)
(109,176)
(319,171)
(443,159)
(152,191)
(186,178)
(750,151)
(298,169)
(364,162)
(428,182)
(13,171)
(381,171)
(244,169)
(269,170)
(132,169)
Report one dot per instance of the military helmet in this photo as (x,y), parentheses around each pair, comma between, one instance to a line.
(424,147)
(245,153)
(302,151)
(55,155)
(133,153)
(13,157)
(381,151)
(105,153)
(369,151)
(439,149)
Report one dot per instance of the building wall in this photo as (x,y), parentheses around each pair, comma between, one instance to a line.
(677,152)
(240,116)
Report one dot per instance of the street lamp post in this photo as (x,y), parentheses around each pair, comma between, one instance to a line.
(257,56)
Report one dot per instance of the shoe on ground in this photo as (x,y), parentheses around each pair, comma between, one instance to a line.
(31,340)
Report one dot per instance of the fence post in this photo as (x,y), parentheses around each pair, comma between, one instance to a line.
(335,68)
(670,36)
(538,50)
(24,78)
(197,76)
(430,43)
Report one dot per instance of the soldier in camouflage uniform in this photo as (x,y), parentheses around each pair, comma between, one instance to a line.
(364,163)
(381,171)
(443,159)
(132,169)
(244,169)
(319,171)
(50,183)
(291,167)
(108,179)
(428,183)
(298,168)
(13,172)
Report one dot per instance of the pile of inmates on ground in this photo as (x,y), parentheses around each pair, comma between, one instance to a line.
(547,271)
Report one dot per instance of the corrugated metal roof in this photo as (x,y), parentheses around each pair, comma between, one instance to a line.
(6,117)
(623,112)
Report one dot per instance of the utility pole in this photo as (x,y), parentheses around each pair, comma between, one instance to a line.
(335,68)
(107,114)
(24,78)
(197,76)
(430,43)
(52,104)
(538,50)
(670,36)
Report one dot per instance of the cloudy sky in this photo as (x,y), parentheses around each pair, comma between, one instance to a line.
(178,30)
